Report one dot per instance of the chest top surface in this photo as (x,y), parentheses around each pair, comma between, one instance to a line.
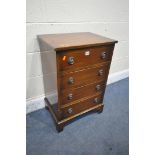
(66,41)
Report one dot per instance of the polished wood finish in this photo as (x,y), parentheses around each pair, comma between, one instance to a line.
(83,63)
(66,41)
(85,76)
(77,107)
(83,91)
(61,122)
(82,60)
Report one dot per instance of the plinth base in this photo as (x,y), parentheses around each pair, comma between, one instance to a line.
(61,122)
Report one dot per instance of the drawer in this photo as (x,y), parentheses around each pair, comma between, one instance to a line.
(71,59)
(82,106)
(71,95)
(85,76)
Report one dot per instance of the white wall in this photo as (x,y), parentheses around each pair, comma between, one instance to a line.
(105,17)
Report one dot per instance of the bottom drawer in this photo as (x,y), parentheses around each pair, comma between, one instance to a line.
(82,106)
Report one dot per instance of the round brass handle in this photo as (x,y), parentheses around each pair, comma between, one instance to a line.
(103,55)
(98,87)
(71,80)
(96,100)
(71,60)
(70,96)
(100,72)
(70,110)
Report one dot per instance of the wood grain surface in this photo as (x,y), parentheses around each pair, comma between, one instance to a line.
(81,106)
(84,57)
(65,41)
(83,62)
(84,76)
(83,91)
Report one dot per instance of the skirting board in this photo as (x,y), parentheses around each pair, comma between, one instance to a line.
(38,103)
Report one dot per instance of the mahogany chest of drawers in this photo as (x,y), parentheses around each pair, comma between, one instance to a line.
(83,63)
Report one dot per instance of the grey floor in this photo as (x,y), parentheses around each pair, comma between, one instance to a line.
(94,134)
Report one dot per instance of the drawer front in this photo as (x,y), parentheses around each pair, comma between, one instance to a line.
(85,76)
(71,95)
(82,106)
(69,60)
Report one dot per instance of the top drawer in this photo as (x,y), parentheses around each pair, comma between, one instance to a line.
(79,58)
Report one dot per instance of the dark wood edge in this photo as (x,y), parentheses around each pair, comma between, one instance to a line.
(58,82)
(83,46)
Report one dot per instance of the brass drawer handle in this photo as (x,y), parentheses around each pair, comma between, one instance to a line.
(98,87)
(71,60)
(70,96)
(100,72)
(70,110)
(71,80)
(103,55)
(96,100)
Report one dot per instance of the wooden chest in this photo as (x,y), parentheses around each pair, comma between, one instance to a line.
(83,63)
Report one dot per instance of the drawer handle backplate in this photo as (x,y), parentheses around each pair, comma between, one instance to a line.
(103,55)
(70,110)
(100,72)
(98,87)
(70,96)
(71,60)
(96,100)
(71,80)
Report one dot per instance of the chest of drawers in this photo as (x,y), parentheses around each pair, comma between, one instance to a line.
(83,63)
